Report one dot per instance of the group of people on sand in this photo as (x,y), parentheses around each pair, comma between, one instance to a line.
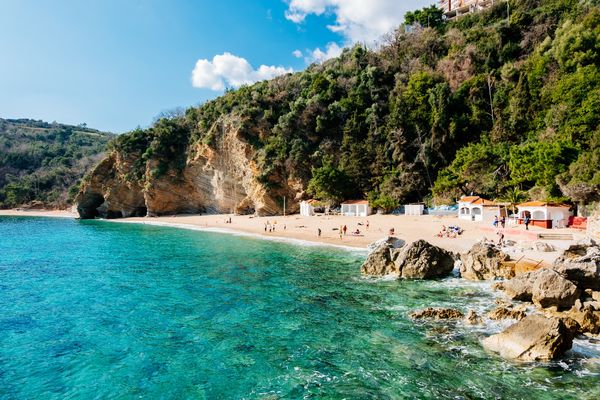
(501,221)
(270,227)
(450,231)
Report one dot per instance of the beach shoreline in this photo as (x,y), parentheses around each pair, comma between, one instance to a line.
(304,230)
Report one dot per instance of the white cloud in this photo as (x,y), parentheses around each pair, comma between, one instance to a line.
(229,70)
(356,20)
(317,55)
(297,53)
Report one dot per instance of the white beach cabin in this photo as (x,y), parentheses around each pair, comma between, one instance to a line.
(307,207)
(356,208)
(544,214)
(475,208)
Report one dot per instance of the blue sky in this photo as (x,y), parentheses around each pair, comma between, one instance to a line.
(117,64)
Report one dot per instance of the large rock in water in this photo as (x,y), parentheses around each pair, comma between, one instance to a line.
(380,261)
(544,287)
(485,262)
(531,339)
(580,264)
(422,260)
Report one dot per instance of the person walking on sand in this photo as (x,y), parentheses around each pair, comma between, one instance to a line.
(367,224)
(526,222)
(503,221)
(319,232)
(495,223)
(345,229)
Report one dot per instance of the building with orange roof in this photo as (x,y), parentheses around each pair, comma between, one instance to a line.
(544,214)
(356,208)
(476,208)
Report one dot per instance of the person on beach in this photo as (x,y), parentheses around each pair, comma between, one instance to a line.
(265,227)
(500,238)
(392,231)
(495,223)
(319,232)
(367,224)
(341,234)
(526,222)
(503,222)
(345,229)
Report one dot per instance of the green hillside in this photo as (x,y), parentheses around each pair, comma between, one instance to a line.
(505,108)
(44,162)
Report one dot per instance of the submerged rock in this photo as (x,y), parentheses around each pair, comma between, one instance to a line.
(483,262)
(544,247)
(422,260)
(473,318)
(580,263)
(436,313)
(533,338)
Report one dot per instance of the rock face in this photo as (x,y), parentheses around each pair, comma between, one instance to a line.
(531,339)
(472,318)
(422,260)
(544,287)
(436,313)
(580,264)
(484,262)
(220,177)
(380,261)
(418,260)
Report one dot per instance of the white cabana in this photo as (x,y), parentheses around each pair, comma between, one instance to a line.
(544,214)
(414,209)
(475,208)
(356,208)
(307,207)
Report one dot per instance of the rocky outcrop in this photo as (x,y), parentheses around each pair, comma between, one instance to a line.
(418,260)
(422,260)
(533,338)
(473,318)
(501,312)
(583,317)
(580,264)
(221,177)
(380,261)
(436,313)
(483,262)
(544,287)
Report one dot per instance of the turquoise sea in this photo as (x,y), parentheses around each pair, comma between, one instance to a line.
(103,310)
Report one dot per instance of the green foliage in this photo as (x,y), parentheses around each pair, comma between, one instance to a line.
(486,104)
(329,183)
(44,162)
(426,17)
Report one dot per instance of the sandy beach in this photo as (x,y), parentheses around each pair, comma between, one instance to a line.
(406,227)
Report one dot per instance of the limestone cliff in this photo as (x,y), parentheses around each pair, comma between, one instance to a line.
(219,177)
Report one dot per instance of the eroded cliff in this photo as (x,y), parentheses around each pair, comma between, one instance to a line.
(216,177)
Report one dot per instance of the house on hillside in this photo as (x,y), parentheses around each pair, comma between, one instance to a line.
(356,208)
(544,214)
(475,208)
(456,8)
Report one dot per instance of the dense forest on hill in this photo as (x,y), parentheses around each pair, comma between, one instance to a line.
(504,106)
(44,162)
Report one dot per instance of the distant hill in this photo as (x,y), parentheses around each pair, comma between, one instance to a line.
(42,163)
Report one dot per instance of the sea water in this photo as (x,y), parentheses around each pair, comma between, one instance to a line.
(100,310)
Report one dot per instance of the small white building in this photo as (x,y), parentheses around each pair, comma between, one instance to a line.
(356,208)
(545,214)
(414,209)
(475,208)
(307,207)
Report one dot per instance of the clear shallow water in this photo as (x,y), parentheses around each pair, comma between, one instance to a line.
(91,309)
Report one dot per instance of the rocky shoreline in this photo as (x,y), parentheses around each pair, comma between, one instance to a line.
(551,305)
